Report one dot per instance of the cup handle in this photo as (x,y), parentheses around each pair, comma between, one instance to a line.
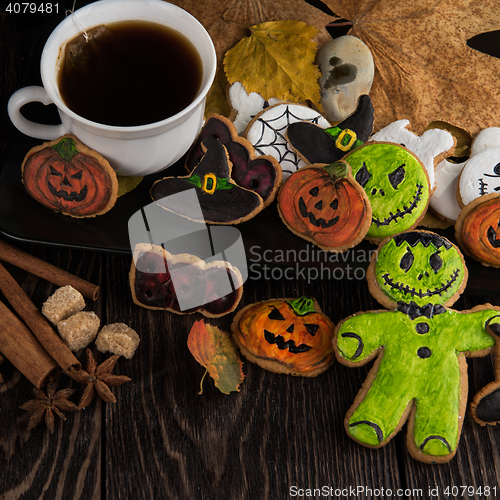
(18,99)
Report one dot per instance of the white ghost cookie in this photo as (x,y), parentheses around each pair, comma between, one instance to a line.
(444,201)
(267,130)
(245,106)
(481,173)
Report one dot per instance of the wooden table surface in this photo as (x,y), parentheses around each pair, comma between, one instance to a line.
(277,438)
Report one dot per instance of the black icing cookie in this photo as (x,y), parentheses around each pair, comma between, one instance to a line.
(317,145)
(222,201)
(262,174)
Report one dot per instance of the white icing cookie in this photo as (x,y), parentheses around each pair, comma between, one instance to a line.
(487,138)
(347,72)
(267,130)
(246,106)
(444,199)
(480,176)
(431,147)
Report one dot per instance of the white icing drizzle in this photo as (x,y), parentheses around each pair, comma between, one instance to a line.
(431,144)
(267,133)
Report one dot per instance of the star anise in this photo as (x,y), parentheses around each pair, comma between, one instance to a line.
(46,404)
(98,379)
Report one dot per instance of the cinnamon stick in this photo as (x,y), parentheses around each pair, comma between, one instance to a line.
(47,271)
(23,350)
(36,322)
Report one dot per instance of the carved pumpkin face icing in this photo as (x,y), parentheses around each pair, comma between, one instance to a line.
(478,229)
(325,205)
(396,184)
(293,333)
(419,267)
(66,176)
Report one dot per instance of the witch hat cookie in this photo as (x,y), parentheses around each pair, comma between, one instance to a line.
(317,145)
(261,174)
(221,200)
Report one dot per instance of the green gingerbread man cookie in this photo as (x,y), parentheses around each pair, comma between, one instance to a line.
(396,184)
(420,345)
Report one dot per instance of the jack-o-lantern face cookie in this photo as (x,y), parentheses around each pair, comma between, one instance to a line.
(396,184)
(68,177)
(285,336)
(325,205)
(477,229)
(420,374)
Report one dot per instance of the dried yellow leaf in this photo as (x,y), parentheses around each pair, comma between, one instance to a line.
(277,60)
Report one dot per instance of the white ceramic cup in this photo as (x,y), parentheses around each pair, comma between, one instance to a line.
(132,151)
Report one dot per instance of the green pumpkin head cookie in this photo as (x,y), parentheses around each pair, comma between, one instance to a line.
(420,375)
(396,184)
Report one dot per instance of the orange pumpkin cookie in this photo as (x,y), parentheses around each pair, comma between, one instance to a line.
(66,176)
(285,336)
(477,229)
(325,205)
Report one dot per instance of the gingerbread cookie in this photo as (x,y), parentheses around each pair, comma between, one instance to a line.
(183,283)
(485,406)
(325,205)
(396,184)
(420,345)
(245,106)
(314,144)
(347,71)
(259,174)
(432,147)
(66,176)
(444,201)
(222,201)
(267,130)
(481,173)
(476,229)
(285,336)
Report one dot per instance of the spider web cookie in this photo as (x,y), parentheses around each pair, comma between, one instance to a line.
(267,130)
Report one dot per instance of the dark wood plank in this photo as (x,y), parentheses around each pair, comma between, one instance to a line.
(278,432)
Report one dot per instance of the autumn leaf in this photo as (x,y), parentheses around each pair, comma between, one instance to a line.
(127,184)
(216,99)
(227,20)
(277,60)
(424,69)
(216,351)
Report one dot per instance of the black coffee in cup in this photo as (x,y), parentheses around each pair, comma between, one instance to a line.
(129,73)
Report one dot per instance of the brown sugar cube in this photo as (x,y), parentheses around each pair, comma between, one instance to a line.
(64,302)
(118,338)
(79,330)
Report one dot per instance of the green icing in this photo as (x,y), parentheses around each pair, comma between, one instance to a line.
(403,378)
(221,183)
(66,148)
(417,273)
(396,205)
(346,140)
(302,306)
